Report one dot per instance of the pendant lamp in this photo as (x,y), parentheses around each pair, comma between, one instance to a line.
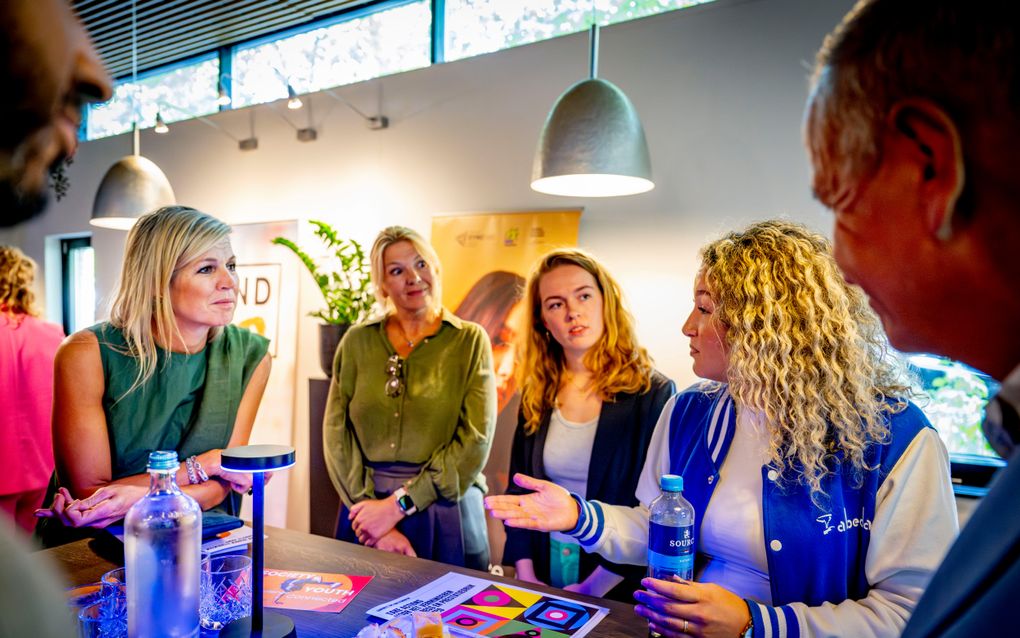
(592,144)
(134,185)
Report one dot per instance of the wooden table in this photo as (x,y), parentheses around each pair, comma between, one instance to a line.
(393,575)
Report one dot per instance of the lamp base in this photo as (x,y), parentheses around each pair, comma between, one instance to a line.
(273,626)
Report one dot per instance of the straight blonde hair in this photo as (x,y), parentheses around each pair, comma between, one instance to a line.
(392,235)
(158,245)
(620,364)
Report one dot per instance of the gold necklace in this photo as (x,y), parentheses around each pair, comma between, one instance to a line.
(403,335)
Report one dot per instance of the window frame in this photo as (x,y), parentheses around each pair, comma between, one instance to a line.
(68,244)
(225,54)
(213,54)
(343,15)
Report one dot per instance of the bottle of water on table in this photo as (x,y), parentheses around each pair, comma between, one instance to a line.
(162,554)
(671,533)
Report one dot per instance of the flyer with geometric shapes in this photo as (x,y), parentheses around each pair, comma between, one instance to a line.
(480,607)
(311,591)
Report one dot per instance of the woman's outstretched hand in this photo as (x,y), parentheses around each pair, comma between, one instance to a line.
(548,508)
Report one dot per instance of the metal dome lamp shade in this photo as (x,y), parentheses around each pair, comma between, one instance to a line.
(134,185)
(592,144)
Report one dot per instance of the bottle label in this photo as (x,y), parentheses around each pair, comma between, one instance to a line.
(671,550)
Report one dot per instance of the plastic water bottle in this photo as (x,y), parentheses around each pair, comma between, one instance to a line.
(670,533)
(162,553)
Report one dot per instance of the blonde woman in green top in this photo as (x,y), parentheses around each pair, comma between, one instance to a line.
(410,417)
(166,372)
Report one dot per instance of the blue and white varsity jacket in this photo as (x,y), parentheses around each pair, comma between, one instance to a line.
(856,568)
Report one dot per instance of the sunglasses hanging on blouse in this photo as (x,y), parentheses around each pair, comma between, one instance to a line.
(394,372)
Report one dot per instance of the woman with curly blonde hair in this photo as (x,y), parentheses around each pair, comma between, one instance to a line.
(589,402)
(822,494)
(27,347)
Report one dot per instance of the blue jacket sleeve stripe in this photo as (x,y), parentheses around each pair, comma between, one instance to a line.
(778,627)
(789,620)
(773,622)
(762,627)
(590,522)
(713,435)
(599,524)
(723,427)
(583,517)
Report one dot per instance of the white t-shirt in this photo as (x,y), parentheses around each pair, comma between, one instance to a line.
(567,455)
(732,528)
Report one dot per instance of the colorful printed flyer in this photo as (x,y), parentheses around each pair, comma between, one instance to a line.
(480,607)
(310,591)
(229,541)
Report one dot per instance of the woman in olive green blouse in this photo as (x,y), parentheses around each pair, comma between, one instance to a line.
(167,372)
(410,417)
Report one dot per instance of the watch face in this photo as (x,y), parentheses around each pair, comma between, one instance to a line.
(405,503)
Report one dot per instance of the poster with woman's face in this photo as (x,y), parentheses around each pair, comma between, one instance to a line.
(485,259)
(495,302)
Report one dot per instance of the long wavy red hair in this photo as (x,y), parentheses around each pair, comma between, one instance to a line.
(622,364)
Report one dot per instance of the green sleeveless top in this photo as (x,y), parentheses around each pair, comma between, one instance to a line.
(188,405)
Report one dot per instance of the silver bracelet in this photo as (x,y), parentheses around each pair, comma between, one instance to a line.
(189,464)
(202,476)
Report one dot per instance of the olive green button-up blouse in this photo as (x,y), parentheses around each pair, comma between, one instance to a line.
(443,419)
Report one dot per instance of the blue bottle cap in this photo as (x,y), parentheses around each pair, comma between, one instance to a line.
(672,483)
(163,460)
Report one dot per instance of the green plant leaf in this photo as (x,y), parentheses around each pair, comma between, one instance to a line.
(346,291)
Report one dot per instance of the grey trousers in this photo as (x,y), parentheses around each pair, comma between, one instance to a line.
(449,532)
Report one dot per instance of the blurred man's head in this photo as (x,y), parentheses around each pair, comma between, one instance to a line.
(913,126)
(48,69)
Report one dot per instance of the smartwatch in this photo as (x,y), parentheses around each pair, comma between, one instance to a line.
(404,502)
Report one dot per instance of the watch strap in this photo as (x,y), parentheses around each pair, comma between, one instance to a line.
(405,502)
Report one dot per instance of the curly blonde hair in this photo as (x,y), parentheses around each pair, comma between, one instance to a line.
(17,273)
(621,364)
(804,350)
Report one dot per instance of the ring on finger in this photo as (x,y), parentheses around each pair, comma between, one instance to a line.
(684,630)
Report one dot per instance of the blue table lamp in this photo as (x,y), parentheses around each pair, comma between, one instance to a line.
(258,459)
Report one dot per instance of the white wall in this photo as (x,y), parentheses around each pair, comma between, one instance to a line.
(720,90)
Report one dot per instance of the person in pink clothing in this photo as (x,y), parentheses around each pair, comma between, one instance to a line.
(27,347)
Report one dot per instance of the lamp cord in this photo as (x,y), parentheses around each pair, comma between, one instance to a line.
(136,142)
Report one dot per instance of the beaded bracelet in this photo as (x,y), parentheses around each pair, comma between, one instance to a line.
(202,476)
(189,463)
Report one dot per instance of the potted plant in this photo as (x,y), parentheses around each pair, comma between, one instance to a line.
(346,289)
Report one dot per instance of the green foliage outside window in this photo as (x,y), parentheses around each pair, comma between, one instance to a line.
(958,396)
(355,50)
(389,40)
(178,94)
(474,27)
